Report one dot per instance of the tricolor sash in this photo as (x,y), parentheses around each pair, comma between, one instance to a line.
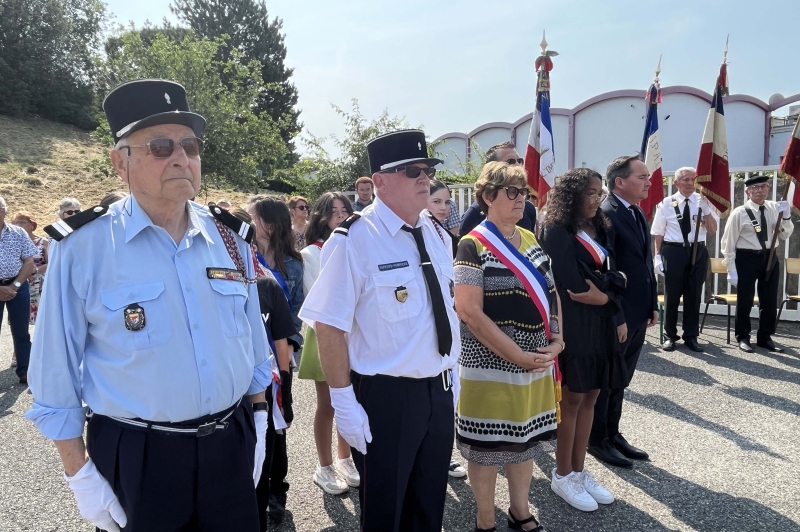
(598,252)
(534,282)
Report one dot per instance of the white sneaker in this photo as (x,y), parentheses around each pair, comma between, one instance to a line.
(595,489)
(347,469)
(456,470)
(327,479)
(570,488)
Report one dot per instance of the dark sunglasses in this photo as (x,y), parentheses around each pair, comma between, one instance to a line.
(513,192)
(412,172)
(515,161)
(163,148)
(302,207)
(72,212)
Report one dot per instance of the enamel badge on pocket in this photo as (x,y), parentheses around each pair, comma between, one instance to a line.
(134,317)
(401,294)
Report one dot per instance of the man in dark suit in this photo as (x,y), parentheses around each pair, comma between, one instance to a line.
(628,183)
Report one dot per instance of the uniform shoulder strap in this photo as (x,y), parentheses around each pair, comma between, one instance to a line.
(63,228)
(243,229)
(344,227)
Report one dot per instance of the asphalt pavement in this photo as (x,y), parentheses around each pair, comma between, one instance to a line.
(722,429)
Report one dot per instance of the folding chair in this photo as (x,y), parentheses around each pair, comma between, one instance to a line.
(792,267)
(728,299)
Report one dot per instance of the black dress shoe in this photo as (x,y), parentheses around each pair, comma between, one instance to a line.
(606,452)
(23,379)
(769,345)
(692,344)
(668,345)
(744,345)
(627,449)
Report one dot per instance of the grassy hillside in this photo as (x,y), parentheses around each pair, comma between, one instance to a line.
(42,162)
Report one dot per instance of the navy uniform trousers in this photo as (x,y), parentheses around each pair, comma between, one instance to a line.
(404,473)
(179,482)
(751,266)
(683,280)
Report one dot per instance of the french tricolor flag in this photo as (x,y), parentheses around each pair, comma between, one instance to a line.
(790,165)
(651,150)
(540,159)
(712,165)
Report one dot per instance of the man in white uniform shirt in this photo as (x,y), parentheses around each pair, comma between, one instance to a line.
(745,245)
(673,230)
(388,336)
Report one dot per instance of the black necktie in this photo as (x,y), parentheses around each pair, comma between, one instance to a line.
(686,220)
(762,235)
(638,222)
(443,333)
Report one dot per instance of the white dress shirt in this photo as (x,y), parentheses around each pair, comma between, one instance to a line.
(666,224)
(356,292)
(740,233)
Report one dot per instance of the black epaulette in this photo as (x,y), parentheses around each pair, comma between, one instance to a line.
(243,229)
(344,227)
(63,228)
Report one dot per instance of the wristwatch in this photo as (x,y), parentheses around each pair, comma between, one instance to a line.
(17,284)
(262,406)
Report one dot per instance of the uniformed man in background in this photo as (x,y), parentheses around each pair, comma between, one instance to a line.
(673,229)
(745,245)
(149,319)
(388,337)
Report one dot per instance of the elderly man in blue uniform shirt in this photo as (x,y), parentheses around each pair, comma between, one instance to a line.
(148,319)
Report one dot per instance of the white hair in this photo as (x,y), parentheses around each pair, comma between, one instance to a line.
(66,203)
(3,205)
(683,170)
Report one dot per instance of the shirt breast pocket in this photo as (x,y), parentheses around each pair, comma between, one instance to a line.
(231,297)
(157,329)
(399,294)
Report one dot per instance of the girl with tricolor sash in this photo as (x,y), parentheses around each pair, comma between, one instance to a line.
(575,237)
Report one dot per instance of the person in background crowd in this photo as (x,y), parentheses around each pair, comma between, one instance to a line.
(673,234)
(506,369)
(276,253)
(745,246)
(330,210)
(298,207)
(113,197)
(68,207)
(279,326)
(503,152)
(452,221)
(628,182)
(25,220)
(365,192)
(576,237)
(17,253)
(223,203)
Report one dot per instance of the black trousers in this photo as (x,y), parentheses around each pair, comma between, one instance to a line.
(681,280)
(751,267)
(177,482)
(608,408)
(404,473)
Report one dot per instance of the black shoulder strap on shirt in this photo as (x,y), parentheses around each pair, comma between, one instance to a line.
(63,228)
(681,223)
(344,227)
(757,227)
(243,229)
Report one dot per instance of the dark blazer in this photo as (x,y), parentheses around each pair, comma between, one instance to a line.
(634,256)
(473,216)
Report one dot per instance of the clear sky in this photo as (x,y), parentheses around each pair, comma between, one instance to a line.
(452,66)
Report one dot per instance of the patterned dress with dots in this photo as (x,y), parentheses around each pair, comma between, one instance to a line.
(503,410)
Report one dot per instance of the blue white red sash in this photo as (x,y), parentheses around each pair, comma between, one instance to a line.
(598,252)
(534,282)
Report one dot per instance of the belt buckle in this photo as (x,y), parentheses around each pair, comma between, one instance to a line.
(206,429)
(447,379)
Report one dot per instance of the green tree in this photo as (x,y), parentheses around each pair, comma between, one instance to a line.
(48,58)
(237,141)
(256,37)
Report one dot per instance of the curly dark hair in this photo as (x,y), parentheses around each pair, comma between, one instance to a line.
(321,213)
(565,201)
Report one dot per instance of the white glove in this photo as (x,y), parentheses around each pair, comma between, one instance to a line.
(733,277)
(96,500)
(456,389)
(261,419)
(659,265)
(784,208)
(351,419)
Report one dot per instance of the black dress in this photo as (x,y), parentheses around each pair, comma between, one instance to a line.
(591,356)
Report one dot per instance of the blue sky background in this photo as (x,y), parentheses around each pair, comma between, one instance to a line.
(452,66)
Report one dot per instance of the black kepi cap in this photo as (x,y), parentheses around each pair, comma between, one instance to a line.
(755,179)
(399,148)
(143,103)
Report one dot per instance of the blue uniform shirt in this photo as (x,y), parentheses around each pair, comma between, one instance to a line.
(202,346)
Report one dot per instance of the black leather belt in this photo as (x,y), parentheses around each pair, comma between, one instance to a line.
(6,282)
(202,426)
(680,244)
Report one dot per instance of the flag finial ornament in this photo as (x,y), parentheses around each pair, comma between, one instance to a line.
(543,44)
(658,70)
(725,53)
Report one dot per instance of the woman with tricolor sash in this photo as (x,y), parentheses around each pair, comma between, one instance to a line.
(575,237)
(510,336)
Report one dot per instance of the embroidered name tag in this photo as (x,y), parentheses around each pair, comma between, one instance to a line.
(225,273)
(392,266)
